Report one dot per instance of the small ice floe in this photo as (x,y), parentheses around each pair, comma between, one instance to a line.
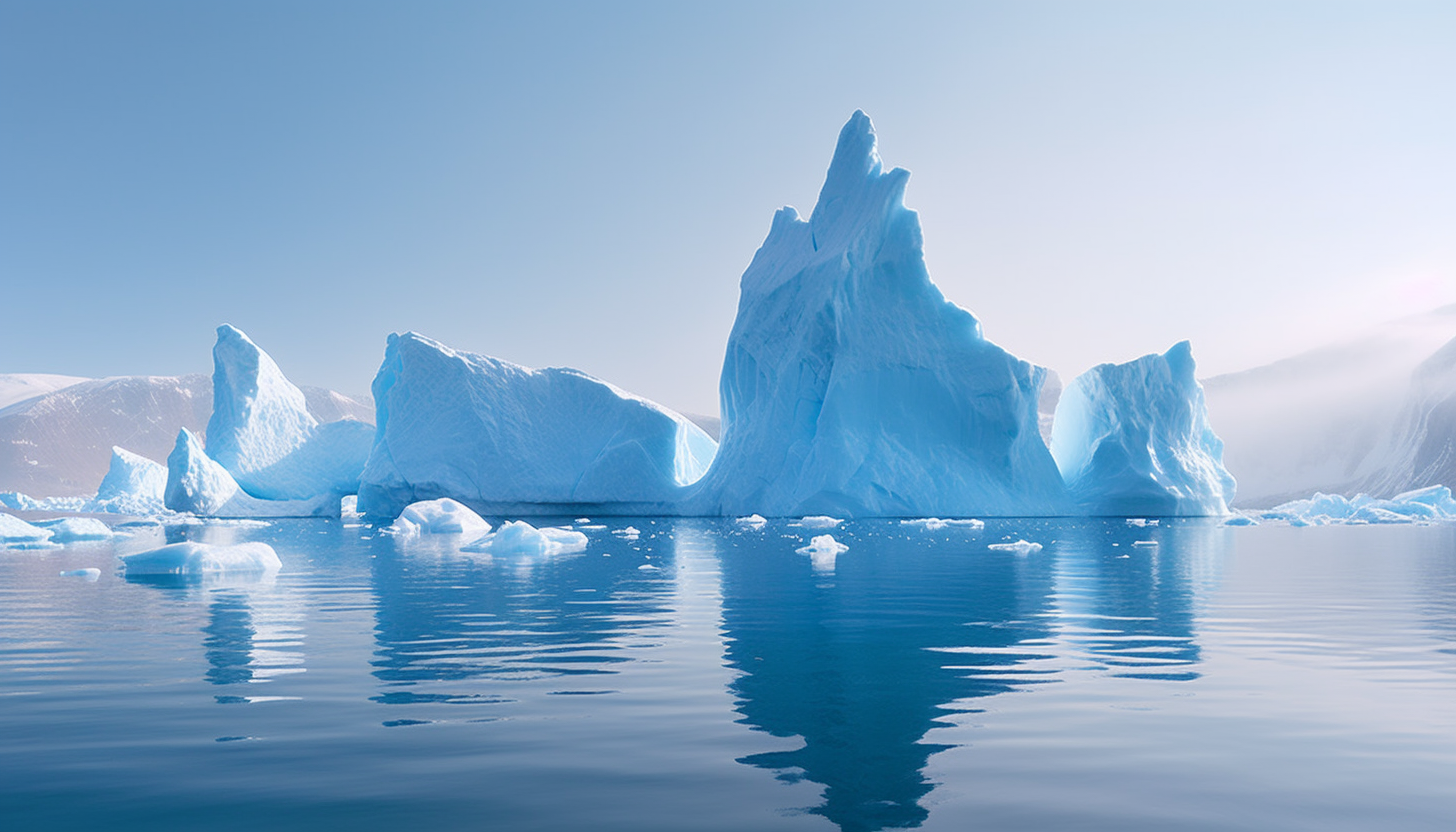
(1241,520)
(521,538)
(1145,544)
(1141,522)
(580,521)
(629,533)
(819,521)
(442,516)
(1020,547)
(935,524)
(751,522)
(822,550)
(87,574)
(647,567)
(18,534)
(196,559)
(73,529)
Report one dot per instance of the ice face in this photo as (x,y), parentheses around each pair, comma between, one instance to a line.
(132,485)
(199,485)
(506,439)
(261,430)
(1134,439)
(197,559)
(852,387)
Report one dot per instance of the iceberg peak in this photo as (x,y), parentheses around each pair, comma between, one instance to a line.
(258,415)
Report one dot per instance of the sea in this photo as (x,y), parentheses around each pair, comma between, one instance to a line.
(693,674)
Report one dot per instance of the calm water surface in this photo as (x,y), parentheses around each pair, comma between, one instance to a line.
(703,677)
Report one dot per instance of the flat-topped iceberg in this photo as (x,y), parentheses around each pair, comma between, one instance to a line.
(505,439)
(199,559)
(1134,439)
(263,434)
(198,485)
(852,387)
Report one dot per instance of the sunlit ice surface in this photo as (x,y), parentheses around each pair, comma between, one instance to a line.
(700,675)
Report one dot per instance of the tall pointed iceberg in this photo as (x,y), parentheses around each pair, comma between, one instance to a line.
(1135,438)
(852,387)
(262,433)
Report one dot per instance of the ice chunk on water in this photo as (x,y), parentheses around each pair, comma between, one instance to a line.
(1135,439)
(72,529)
(752,521)
(1020,547)
(822,550)
(442,516)
(1431,504)
(195,559)
(16,533)
(133,485)
(819,521)
(90,573)
(521,538)
(932,524)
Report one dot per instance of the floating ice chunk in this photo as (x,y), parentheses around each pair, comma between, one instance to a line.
(72,529)
(195,559)
(819,521)
(851,385)
(1432,504)
(1135,439)
(262,433)
(933,524)
(629,533)
(514,440)
(1145,544)
(442,516)
(1020,547)
(521,538)
(198,485)
(752,521)
(1141,522)
(16,533)
(90,573)
(822,550)
(647,567)
(1241,520)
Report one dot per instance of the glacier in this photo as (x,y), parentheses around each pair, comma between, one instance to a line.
(852,387)
(199,485)
(1135,439)
(509,440)
(262,432)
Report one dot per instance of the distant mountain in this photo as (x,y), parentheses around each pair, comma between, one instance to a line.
(58,443)
(1421,451)
(1328,419)
(17,387)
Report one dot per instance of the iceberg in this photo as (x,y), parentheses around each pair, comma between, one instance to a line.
(199,485)
(852,387)
(75,529)
(263,434)
(1423,505)
(1020,547)
(197,559)
(506,439)
(752,522)
(1134,439)
(521,538)
(132,485)
(442,516)
(18,534)
(823,550)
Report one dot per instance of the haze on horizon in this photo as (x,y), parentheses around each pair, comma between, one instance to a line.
(583,186)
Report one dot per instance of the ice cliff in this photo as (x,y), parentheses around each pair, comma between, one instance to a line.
(1134,439)
(262,432)
(852,387)
(505,439)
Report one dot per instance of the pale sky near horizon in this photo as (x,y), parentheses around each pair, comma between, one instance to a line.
(583,184)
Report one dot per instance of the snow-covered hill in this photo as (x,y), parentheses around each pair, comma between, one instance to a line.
(17,387)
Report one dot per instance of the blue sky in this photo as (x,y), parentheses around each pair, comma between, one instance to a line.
(583,184)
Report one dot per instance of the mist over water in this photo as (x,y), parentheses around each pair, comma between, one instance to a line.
(707,677)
